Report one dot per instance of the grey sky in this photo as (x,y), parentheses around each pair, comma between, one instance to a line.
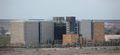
(46,9)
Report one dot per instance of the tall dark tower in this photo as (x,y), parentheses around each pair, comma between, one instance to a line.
(59,28)
(70,24)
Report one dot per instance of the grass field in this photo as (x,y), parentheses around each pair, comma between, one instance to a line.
(5,39)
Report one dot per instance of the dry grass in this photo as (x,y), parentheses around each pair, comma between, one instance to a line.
(60,51)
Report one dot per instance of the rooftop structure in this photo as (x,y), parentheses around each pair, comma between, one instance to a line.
(58,19)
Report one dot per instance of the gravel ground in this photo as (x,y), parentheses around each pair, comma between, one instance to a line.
(59,51)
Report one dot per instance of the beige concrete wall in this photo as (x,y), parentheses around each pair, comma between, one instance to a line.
(17,32)
(66,39)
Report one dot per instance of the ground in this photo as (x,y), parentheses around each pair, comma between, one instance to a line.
(108,50)
(59,51)
(5,39)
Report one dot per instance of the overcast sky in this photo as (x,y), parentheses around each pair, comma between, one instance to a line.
(46,9)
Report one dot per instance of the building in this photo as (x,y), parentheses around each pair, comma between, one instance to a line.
(92,32)
(59,28)
(70,39)
(31,30)
(109,37)
(70,25)
(79,27)
(41,31)
(17,32)
(98,32)
(26,32)
(84,41)
(85,30)
(73,38)
(58,32)
(90,42)
(46,31)
(58,19)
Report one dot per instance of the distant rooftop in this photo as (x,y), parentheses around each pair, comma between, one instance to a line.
(8,19)
(100,20)
(21,19)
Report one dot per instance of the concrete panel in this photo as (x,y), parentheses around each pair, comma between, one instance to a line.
(31,32)
(17,32)
(85,30)
(46,31)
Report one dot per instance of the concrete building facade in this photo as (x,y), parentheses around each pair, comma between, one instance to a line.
(67,27)
(46,31)
(77,27)
(17,32)
(70,24)
(31,30)
(26,32)
(85,30)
